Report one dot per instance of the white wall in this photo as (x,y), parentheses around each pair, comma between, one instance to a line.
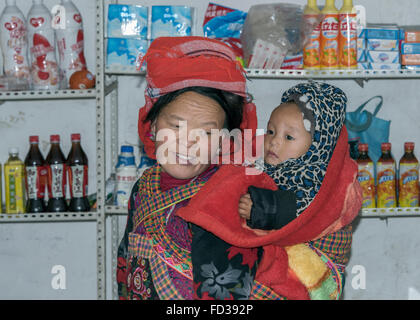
(388,250)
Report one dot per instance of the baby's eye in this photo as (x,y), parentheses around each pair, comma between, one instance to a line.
(270,132)
(289,137)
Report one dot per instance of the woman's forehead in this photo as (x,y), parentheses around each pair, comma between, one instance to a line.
(192,106)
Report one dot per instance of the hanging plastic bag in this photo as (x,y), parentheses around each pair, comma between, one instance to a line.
(271,31)
(364,127)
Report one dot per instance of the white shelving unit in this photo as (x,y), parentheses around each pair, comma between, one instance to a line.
(107,84)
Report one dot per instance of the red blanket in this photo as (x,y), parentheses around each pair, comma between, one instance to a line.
(215,208)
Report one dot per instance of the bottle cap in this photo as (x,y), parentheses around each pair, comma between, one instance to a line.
(385,146)
(409,146)
(127,149)
(33,139)
(13,150)
(75,137)
(363,147)
(54,138)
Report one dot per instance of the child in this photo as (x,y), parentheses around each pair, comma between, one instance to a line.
(301,135)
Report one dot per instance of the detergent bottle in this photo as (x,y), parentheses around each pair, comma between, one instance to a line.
(347,41)
(312,50)
(329,36)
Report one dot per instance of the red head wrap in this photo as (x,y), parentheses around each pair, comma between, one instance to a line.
(175,63)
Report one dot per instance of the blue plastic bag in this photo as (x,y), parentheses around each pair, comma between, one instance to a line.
(364,127)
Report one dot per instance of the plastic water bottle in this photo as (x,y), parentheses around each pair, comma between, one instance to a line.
(145,163)
(69,34)
(41,39)
(14,45)
(126,174)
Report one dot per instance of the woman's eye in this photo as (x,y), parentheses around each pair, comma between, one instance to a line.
(289,137)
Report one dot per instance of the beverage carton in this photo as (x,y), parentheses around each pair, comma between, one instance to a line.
(124,52)
(171,21)
(127,21)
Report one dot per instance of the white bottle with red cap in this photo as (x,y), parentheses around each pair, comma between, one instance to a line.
(41,40)
(13,39)
(69,34)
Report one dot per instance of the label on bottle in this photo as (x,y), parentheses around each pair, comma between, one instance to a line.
(409,185)
(126,177)
(348,40)
(15,189)
(311,52)
(57,180)
(366,180)
(329,42)
(78,180)
(36,178)
(386,185)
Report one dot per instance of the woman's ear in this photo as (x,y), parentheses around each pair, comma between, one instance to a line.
(153,131)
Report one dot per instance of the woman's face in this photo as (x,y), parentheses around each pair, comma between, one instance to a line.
(184,147)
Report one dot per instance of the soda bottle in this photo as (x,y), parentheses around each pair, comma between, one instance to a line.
(312,50)
(14,46)
(41,38)
(70,40)
(56,165)
(77,167)
(408,178)
(36,177)
(347,41)
(329,36)
(366,176)
(386,173)
(14,175)
(126,174)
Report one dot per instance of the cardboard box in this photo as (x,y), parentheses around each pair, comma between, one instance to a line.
(410,59)
(384,66)
(410,34)
(383,57)
(383,32)
(382,45)
(410,48)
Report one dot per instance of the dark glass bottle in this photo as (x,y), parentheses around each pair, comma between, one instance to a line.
(36,177)
(77,166)
(56,164)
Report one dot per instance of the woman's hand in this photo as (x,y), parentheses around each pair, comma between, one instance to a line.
(245,205)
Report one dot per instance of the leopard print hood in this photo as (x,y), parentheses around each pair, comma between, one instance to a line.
(305,174)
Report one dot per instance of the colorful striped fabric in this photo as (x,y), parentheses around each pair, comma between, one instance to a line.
(336,246)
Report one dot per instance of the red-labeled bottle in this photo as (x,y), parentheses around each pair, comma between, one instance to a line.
(56,165)
(408,178)
(77,167)
(36,177)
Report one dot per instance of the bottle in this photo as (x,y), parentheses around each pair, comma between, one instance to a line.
(145,163)
(408,178)
(126,174)
(41,39)
(329,36)
(70,41)
(36,177)
(366,176)
(312,50)
(77,167)
(386,175)
(56,167)
(347,41)
(14,45)
(14,176)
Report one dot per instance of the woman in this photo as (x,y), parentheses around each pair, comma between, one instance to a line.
(194,86)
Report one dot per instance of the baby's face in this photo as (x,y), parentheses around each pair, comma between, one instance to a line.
(286,136)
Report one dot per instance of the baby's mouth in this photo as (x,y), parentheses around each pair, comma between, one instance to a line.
(186,160)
